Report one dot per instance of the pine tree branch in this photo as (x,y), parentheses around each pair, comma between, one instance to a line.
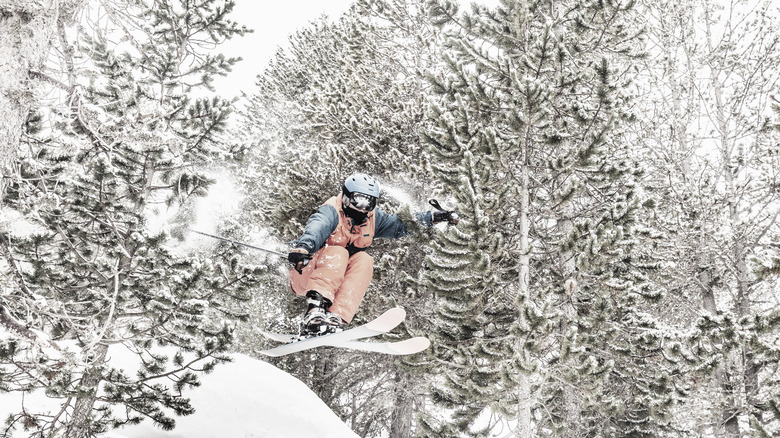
(15,326)
(11,260)
(67,54)
(55,419)
(76,252)
(46,78)
(74,99)
(110,318)
(6,319)
(130,35)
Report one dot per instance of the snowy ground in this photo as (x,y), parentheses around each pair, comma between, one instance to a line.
(243,399)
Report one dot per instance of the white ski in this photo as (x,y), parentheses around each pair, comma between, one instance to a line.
(381,324)
(399,348)
(349,338)
(407,346)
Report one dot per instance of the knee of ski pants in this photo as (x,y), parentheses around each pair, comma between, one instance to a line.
(324,273)
(363,262)
(353,289)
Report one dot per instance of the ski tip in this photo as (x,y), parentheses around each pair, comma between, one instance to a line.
(388,320)
(411,346)
(279,337)
(271,352)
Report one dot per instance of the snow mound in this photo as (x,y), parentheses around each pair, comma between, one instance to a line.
(249,398)
(246,398)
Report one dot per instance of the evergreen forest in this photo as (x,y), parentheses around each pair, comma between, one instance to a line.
(615,164)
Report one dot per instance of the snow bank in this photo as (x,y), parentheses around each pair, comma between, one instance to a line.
(250,398)
(247,398)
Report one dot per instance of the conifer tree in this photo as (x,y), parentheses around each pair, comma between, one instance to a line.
(126,137)
(539,289)
(711,72)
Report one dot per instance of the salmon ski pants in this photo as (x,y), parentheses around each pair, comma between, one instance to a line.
(337,277)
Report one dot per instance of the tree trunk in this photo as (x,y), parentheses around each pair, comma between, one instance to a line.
(403,408)
(26,27)
(732,385)
(523,390)
(572,398)
(79,425)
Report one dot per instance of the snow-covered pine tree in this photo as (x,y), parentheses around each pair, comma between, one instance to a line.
(26,30)
(347,95)
(711,70)
(122,135)
(540,286)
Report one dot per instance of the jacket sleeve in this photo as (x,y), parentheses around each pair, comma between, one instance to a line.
(318,228)
(390,226)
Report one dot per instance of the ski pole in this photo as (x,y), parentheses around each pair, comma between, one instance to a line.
(235,242)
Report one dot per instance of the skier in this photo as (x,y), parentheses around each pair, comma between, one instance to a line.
(330,265)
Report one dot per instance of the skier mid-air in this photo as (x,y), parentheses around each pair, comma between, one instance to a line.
(330,265)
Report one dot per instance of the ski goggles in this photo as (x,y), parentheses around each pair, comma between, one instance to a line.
(362,202)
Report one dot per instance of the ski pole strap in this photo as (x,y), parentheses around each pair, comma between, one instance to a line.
(435,204)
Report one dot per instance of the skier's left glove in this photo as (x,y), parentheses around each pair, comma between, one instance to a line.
(299,257)
(452,217)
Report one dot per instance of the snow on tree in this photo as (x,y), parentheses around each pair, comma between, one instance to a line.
(26,30)
(540,291)
(122,133)
(711,69)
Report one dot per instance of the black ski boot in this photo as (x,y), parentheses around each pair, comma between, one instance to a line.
(315,321)
(335,323)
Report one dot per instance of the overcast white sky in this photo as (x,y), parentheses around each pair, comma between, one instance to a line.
(273,21)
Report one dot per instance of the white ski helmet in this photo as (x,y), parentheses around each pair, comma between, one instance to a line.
(360,192)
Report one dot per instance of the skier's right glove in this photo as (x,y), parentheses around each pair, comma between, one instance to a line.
(299,257)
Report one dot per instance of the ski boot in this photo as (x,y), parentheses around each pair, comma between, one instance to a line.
(335,323)
(315,321)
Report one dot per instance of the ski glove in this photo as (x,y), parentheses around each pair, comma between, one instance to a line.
(299,257)
(452,217)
